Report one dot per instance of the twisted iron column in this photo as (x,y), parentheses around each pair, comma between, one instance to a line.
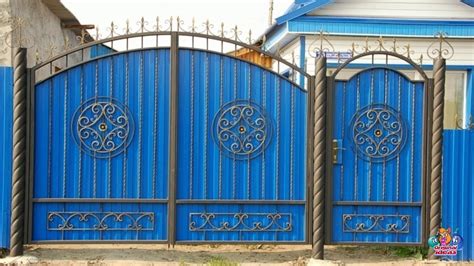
(319,158)
(439,70)
(19,152)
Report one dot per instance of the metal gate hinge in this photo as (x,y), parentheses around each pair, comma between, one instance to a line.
(337,151)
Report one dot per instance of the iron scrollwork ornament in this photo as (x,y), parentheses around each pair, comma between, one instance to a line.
(378,133)
(241,129)
(102,127)
(376,223)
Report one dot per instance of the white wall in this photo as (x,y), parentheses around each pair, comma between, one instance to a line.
(415,9)
(5,52)
(44,29)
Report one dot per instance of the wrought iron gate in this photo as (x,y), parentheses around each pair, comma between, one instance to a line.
(168,141)
(377,174)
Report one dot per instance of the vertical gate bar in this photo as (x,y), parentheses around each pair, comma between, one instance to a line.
(309,158)
(319,157)
(439,70)
(19,155)
(155,123)
(140,124)
(412,136)
(191,139)
(125,154)
(65,134)
(173,112)
(329,160)
(30,146)
(427,125)
(341,173)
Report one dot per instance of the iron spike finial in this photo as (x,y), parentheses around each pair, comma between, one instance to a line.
(97,36)
(127,26)
(193,25)
(408,50)
(82,37)
(66,43)
(222,30)
(236,32)
(440,48)
(37,56)
(394,48)
(157,26)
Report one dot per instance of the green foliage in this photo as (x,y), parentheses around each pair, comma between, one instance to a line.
(3,252)
(404,252)
(219,261)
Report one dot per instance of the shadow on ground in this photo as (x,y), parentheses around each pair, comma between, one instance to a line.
(203,254)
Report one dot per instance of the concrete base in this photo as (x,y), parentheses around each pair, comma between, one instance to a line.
(20,260)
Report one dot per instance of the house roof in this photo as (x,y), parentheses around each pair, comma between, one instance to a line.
(302,7)
(67,18)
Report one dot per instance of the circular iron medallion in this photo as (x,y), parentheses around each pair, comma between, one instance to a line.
(241,129)
(102,127)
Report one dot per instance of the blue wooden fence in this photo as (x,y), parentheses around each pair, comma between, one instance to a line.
(458,185)
(6,123)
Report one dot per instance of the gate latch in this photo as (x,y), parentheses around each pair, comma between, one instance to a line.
(337,151)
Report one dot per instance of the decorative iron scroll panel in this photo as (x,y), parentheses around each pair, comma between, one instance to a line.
(242,138)
(101,150)
(376,194)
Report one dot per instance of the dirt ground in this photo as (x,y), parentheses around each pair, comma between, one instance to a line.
(122,254)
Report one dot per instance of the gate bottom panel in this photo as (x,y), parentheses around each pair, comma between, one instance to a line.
(376,224)
(99,221)
(240,223)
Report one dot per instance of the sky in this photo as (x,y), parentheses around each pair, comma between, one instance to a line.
(247,14)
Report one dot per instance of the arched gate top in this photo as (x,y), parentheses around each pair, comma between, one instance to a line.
(387,53)
(205,40)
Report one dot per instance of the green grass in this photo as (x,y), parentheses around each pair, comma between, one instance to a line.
(219,261)
(3,253)
(406,252)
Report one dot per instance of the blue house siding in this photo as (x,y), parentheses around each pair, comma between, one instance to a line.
(458,184)
(377,27)
(470,94)
(6,117)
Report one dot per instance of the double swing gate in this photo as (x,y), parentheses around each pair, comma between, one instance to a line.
(169,143)
(168,136)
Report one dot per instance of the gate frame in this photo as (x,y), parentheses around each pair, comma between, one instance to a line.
(171,201)
(426,144)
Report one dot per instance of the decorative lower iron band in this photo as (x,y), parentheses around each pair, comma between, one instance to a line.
(375,223)
(101,221)
(240,222)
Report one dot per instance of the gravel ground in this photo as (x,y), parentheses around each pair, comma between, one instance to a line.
(123,254)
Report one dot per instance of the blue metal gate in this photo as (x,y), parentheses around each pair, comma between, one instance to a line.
(168,144)
(378,158)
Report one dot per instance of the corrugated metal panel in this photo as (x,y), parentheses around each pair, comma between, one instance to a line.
(210,84)
(137,82)
(368,103)
(377,27)
(458,188)
(6,125)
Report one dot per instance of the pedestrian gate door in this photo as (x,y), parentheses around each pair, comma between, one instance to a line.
(377,156)
(168,142)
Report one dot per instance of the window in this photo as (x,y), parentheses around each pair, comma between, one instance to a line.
(455,99)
